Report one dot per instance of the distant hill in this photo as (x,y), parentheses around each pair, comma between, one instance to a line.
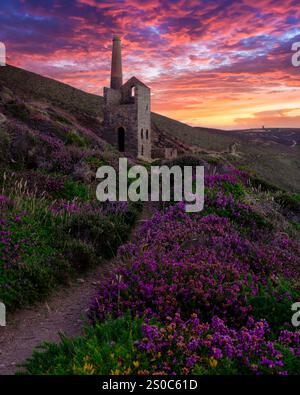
(26,84)
(274,154)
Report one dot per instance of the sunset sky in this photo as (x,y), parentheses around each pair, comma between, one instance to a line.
(224,64)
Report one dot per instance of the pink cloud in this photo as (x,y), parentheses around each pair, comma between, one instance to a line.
(200,58)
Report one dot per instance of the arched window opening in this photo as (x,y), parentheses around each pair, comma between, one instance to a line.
(121,139)
(147,134)
(142,133)
(142,150)
(133,91)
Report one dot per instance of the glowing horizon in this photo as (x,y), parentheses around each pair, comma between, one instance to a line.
(223,64)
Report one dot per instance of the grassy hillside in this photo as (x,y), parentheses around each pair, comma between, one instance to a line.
(51,225)
(25,84)
(202,290)
(206,293)
(273,154)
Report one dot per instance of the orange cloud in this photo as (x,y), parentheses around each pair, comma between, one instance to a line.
(208,63)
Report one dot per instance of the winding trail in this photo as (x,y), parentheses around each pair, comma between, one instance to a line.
(63,312)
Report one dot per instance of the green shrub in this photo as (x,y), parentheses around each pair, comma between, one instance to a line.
(4,145)
(273,303)
(80,254)
(214,161)
(95,162)
(22,145)
(236,190)
(74,138)
(18,110)
(110,348)
(40,265)
(291,361)
(52,248)
(288,200)
(296,225)
(73,189)
(264,185)
(90,236)
(224,366)
(59,117)
(104,349)
(97,231)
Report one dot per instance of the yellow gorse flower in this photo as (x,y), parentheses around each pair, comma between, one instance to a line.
(128,371)
(213,362)
(116,372)
(136,364)
(76,369)
(88,368)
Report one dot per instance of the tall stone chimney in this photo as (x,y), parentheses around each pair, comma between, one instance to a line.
(116,65)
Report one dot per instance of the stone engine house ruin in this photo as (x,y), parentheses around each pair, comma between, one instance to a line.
(127,111)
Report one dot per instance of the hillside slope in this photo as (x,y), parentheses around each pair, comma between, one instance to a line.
(26,84)
(196,277)
(51,225)
(273,154)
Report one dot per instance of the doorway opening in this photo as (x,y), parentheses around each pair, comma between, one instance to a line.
(121,139)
